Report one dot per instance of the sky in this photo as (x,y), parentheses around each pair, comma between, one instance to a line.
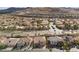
(39,3)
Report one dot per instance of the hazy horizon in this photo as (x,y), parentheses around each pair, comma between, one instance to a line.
(2,8)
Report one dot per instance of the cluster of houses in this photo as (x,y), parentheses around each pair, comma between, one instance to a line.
(19,22)
(43,37)
(62,22)
(18,43)
(33,42)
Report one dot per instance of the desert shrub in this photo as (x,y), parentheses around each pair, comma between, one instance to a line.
(2,46)
(60,44)
(67,26)
(76,42)
(17,36)
(66,46)
(50,49)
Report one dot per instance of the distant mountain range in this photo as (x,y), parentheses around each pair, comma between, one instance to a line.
(39,10)
(10,10)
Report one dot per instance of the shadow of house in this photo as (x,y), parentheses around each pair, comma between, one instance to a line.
(54,42)
(23,42)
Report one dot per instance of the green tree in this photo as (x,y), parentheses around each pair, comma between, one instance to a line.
(67,26)
(66,46)
(2,46)
(75,27)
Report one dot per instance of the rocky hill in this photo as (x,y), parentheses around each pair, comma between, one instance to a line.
(10,10)
(39,10)
(46,10)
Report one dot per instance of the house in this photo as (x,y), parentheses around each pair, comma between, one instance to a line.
(2,39)
(76,38)
(53,41)
(39,42)
(11,42)
(22,42)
